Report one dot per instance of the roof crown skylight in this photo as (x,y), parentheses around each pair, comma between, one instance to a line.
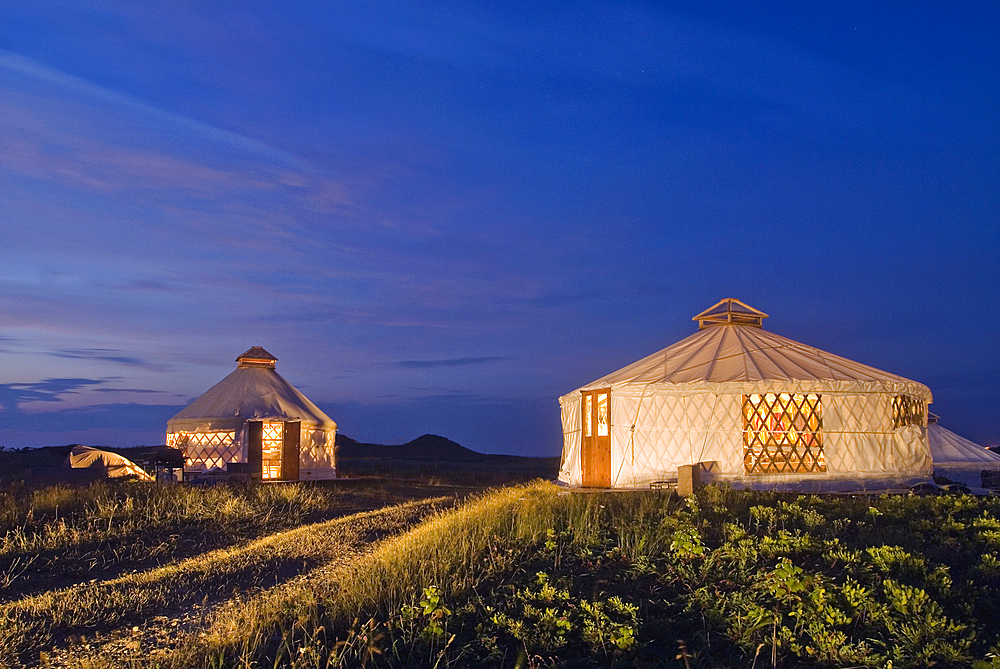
(256,357)
(730,311)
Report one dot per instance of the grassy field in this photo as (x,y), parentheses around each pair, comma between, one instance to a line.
(531,577)
(91,562)
(523,576)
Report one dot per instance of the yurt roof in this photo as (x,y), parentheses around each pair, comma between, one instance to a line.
(731,351)
(253,390)
(950,451)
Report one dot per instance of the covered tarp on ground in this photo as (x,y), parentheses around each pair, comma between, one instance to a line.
(960,460)
(218,428)
(765,410)
(112,464)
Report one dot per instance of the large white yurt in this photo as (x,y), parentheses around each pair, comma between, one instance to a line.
(960,460)
(755,408)
(256,418)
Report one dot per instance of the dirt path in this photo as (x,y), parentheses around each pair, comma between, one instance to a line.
(136,619)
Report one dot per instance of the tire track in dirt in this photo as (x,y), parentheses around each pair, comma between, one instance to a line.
(136,620)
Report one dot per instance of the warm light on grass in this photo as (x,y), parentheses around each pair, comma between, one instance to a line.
(453,549)
(536,572)
(711,565)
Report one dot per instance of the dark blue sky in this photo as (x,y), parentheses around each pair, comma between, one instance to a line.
(442,216)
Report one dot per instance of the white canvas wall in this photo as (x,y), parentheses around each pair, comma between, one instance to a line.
(569,467)
(316,457)
(654,432)
(316,446)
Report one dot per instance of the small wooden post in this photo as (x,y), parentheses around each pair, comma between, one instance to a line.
(688,479)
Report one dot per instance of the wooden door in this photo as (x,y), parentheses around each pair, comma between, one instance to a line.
(595,454)
(290,451)
(255,441)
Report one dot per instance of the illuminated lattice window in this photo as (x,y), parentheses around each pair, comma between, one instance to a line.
(270,450)
(782,434)
(214,448)
(908,410)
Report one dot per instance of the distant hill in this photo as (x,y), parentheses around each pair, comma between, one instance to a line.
(428,455)
(428,447)
(436,458)
(13,462)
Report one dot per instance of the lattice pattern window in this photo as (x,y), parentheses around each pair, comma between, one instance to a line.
(214,448)
(908,410)
(782,434)
(271,450)
(315,451)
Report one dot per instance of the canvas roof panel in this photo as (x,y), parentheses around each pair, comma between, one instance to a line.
(734,354)
(949,450)
(247,393)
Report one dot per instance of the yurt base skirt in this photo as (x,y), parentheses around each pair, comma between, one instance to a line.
(816,485)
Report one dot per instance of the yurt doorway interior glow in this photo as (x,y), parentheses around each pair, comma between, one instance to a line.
(751,407)
(254,421)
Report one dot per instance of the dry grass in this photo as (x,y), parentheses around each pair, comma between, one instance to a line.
(60,536)
(241,601)
(453,550)
(63,516)
(37,622)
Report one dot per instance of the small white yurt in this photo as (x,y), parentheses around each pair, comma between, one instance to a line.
(112,464)
(256,418)
(960,460)
(755,408)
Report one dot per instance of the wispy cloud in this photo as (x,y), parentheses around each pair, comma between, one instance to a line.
(12,395)
(106,355)
(413,196)
(454,362)
(33,68)
(147,422)
(129,390)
